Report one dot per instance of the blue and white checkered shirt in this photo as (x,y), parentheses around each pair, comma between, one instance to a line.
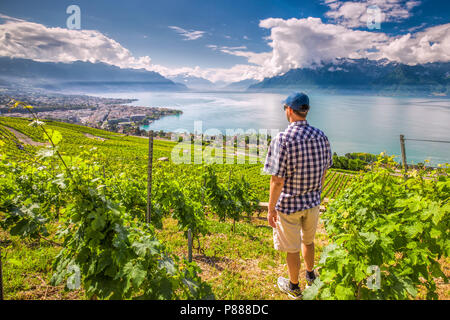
(300,154)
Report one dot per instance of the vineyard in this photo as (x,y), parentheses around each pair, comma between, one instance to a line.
(72,224)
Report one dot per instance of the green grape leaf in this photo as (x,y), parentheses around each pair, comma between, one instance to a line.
(53,135)
(312,292)
(344,293)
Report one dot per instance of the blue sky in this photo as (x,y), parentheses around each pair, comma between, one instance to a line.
(142,26)
(228,32)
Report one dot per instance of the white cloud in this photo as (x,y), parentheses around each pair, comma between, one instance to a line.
(239,51)
(224,48)
(236,73)
(300,43)
(233,48)
(252,57)
(188,34)
(354,14)
(416,28)
(429,45)
(29,40)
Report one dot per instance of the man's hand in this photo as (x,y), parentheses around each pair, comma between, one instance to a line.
(272,217)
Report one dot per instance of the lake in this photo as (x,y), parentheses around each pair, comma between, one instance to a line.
(353,123)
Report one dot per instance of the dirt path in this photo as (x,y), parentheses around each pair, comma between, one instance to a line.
(25,139)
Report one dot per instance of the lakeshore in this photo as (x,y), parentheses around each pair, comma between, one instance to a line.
(114,114)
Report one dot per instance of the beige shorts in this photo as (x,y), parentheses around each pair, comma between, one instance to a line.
(287,236)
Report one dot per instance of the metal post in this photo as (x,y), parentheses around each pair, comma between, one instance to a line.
(190,245)
(203,189)
(149,176)
(402,145)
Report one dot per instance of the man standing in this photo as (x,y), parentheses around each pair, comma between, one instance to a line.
(298,159)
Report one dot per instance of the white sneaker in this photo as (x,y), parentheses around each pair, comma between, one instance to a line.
(283,284)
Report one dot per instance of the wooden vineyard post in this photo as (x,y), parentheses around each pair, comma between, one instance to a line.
(203,190)
(1,276)
(228,187)
(149,176)
(402,146)
(189,245)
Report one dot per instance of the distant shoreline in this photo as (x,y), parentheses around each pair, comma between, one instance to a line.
(114,114)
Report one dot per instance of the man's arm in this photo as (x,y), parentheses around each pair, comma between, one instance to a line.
(276,185)
(276,165)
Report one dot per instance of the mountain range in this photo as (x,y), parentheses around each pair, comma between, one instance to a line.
(82,76)
(240,85)
(343,75)
(381,76)
(192,82)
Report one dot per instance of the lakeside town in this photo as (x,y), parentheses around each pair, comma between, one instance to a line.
(111,114)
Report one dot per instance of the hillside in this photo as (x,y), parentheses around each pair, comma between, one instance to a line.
(134,150)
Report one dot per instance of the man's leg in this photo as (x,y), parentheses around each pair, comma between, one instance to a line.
(293,263)
(308,255)
(287,238)
(309,226)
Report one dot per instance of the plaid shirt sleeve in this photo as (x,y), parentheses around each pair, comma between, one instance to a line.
(276,159)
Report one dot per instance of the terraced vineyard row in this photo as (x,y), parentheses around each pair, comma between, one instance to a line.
(335,183)
(119,148)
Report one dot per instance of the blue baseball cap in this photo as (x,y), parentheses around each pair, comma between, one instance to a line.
(296,100)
